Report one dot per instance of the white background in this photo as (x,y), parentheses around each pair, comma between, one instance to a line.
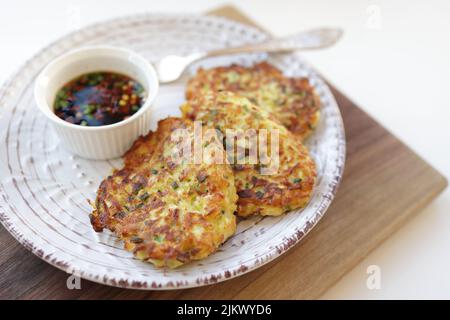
(394,61)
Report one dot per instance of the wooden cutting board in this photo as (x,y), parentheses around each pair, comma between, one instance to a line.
(384,184)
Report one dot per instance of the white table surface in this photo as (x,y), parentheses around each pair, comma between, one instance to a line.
(394,61)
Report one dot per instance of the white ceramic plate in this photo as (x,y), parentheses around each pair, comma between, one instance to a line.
(43,189)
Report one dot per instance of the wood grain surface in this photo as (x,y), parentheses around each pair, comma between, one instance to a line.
(384,184)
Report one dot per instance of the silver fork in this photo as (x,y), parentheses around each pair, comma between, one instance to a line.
(171,67)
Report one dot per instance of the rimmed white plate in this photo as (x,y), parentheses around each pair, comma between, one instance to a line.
(43,189)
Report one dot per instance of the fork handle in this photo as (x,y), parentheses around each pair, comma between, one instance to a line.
(307,40)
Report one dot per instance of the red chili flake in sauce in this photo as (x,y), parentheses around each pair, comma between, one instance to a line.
(98,99)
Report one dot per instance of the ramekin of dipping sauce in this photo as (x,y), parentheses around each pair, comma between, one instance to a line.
(98,99)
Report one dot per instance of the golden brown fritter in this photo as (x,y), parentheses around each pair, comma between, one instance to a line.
(166,211)
(261,190)
(292,100)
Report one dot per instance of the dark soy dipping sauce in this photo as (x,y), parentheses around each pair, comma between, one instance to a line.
(98,99)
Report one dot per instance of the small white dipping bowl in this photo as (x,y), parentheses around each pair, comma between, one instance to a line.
(102,142)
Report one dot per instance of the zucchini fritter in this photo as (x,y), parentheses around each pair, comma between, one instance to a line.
(292,100)
(271,193)
(167,212)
